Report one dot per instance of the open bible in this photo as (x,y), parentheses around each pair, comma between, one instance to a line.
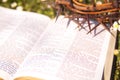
(35,47)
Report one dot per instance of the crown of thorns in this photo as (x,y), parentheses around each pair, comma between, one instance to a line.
(104,13)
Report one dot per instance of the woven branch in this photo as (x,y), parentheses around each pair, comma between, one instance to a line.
(104,13)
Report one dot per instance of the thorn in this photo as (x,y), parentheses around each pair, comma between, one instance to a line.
(60,9)
(88,21)
(107,29)
(93,28)
(68,22)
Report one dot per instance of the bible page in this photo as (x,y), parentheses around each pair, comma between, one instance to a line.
(86,57)
(24,30)
(9,21)
(67,54)
(47,55)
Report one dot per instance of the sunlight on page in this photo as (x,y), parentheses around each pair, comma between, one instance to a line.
(4,75)
(19,31)
(9,21)
(47,55)
(67,54)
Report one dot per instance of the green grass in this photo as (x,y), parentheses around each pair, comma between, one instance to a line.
(38,6)
(117,62)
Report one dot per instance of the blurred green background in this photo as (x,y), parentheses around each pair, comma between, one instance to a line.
(39,6)
(46,7)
